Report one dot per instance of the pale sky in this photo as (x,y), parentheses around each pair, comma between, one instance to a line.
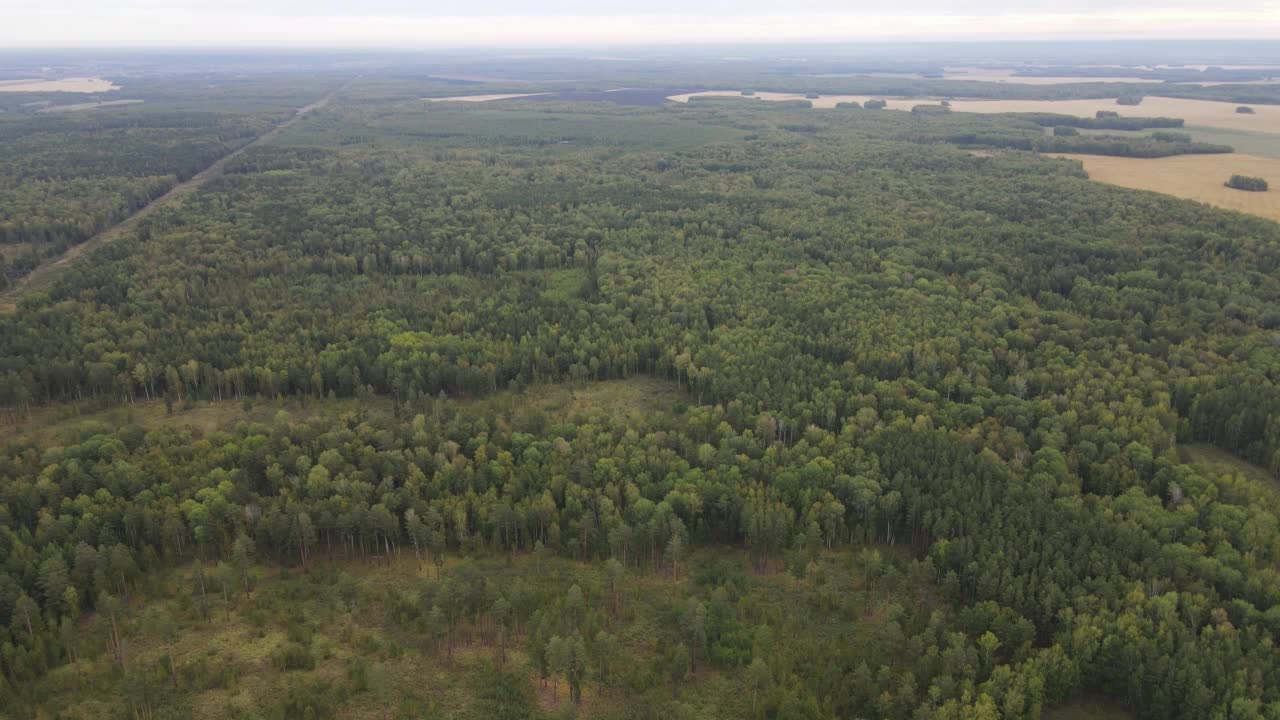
(493,23)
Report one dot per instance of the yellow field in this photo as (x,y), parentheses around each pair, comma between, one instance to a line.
(1193,177)
(1266,118)
(83,85)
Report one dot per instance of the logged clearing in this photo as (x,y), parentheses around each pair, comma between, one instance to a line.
(1193,177)
(83,85)
(484,98)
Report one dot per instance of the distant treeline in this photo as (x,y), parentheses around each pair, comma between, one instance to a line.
(1140,147)
(1103,121)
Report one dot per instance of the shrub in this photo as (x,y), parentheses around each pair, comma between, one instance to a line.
(812,96)
(748,93)
(849,105)
(1065,131)
(1107,114)
(1166,136)
(292,656)
(1129,100)
(1244,182)
(1244,110)
(875,104)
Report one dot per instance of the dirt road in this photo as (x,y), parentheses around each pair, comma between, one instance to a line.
(44,272)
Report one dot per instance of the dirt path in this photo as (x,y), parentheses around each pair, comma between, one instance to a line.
(44,271)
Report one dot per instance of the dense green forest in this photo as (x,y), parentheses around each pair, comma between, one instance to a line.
(908,433)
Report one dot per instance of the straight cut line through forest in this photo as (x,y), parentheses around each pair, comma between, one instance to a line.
(9,298)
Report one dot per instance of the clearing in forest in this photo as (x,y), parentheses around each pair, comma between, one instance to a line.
(634,398)
(1192,177)
(1207,456)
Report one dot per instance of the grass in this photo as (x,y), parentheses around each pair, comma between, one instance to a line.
(228,662)
(1192,177)
(565,285)
(1261,144)
(1214,458)
(634,398)
(63,423)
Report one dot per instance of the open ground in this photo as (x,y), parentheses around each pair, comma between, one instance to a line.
(80,85)
(1193,177)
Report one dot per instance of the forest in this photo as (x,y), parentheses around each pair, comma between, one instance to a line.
(65,177)
(726,409)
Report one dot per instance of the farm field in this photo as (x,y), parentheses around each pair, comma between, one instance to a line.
(78,85)
(1192,177)
(1265,119)
(1261,144)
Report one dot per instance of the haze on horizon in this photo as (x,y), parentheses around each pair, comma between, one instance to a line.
(492,23)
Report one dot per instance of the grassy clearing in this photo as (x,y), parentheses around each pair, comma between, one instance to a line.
(360,644)
(1218,460)
(64,423)
(1192,177)
(565,285)
(633,398)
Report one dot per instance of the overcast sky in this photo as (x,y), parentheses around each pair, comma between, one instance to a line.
(489,23)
